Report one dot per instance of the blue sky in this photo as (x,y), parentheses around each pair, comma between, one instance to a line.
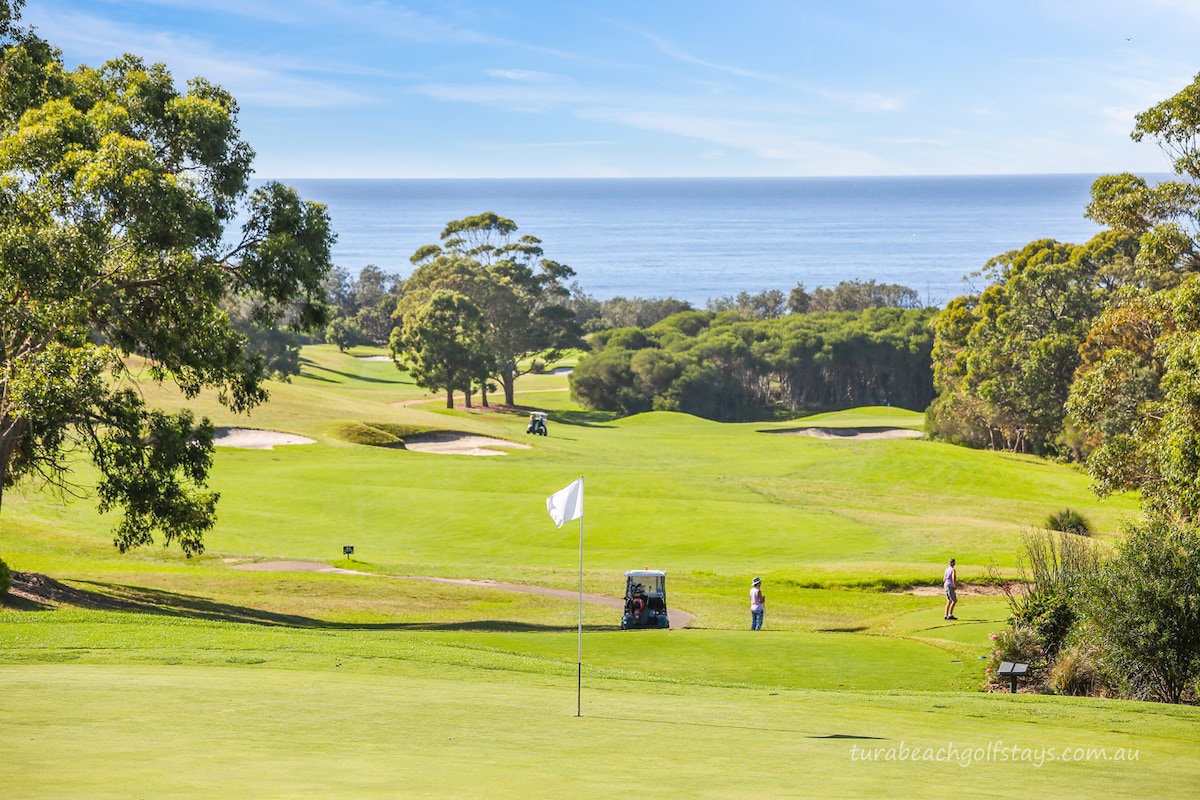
(468,88)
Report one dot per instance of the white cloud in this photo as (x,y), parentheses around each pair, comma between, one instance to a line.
(859,101)
(522,75)
(767,141)
(263,80)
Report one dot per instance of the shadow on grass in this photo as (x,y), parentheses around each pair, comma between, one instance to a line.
(586,419)
(728,726)
(347,375)
(142,600)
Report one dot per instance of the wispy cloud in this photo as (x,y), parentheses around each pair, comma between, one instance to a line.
(259,80)
(522,75)
(769,141)
(859,101)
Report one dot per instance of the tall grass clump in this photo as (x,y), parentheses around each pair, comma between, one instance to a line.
(1068,521)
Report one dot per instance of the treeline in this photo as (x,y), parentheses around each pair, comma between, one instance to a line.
(725,365)
(1092,352)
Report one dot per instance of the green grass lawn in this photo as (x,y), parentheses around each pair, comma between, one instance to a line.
(213,681)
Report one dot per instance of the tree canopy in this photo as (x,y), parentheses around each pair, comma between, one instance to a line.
(116,187)
(519,292)
(725,366)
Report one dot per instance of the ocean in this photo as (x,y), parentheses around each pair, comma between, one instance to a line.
(696,239)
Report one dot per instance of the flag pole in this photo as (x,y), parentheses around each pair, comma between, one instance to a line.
(579,659)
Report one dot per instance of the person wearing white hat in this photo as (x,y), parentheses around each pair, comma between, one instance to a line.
(758,605)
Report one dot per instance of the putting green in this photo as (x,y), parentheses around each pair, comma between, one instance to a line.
(120,731)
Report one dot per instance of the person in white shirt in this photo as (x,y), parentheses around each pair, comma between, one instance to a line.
(757,605)
(949,582)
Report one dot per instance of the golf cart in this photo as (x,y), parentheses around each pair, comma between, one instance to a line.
(645,599)
(537,422)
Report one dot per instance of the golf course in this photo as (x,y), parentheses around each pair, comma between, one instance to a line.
(274,665)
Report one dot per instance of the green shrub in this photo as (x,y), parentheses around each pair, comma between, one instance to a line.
(1017,644)
(1068,521)
(1053,568)
(1142,611)
(5,579)
(1049,615)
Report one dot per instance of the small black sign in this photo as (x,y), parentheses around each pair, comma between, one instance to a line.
(348,550)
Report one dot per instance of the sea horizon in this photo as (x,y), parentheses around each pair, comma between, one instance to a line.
(700,238)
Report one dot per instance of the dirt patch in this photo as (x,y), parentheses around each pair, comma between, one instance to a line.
(254,439)
(458,444)
(963,589)
(852,433)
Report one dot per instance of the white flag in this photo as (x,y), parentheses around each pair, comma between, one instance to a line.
(567,504)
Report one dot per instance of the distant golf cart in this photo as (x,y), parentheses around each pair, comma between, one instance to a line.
(645,600)
(537,422)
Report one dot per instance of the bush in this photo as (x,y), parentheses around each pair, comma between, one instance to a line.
(1052,570)
(5,579)
(1142,611)
(1018,644)
(1076,672)
(1068,521)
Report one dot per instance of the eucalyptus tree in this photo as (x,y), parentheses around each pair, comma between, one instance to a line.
(443,344)
(526,307)
(116,187)
(1137,394)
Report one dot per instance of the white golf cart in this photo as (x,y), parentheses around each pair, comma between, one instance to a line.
(537,422)
(645,599)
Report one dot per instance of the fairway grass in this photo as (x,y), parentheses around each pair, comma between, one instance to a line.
(202,680)
(241,731)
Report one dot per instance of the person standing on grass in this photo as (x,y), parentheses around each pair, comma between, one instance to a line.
(950,582)
(757,605)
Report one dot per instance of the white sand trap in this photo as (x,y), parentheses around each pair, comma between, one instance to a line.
(458,444)
(374,358)
(253,439)
(560,371)
(857,434)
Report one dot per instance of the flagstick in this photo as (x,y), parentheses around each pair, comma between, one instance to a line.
(579,661)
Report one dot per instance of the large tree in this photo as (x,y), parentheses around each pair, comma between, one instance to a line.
(1137,395)
(521,294)
(443,344)
(116,188)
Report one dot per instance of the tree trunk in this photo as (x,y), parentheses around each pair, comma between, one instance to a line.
(507,379)
(10,434)
(449,398)
(467,396)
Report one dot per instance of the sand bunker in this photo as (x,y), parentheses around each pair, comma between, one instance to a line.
(853,433)
(252,439)
(374,358)
(458,444)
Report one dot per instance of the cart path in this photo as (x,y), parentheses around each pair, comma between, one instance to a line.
(679,619)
